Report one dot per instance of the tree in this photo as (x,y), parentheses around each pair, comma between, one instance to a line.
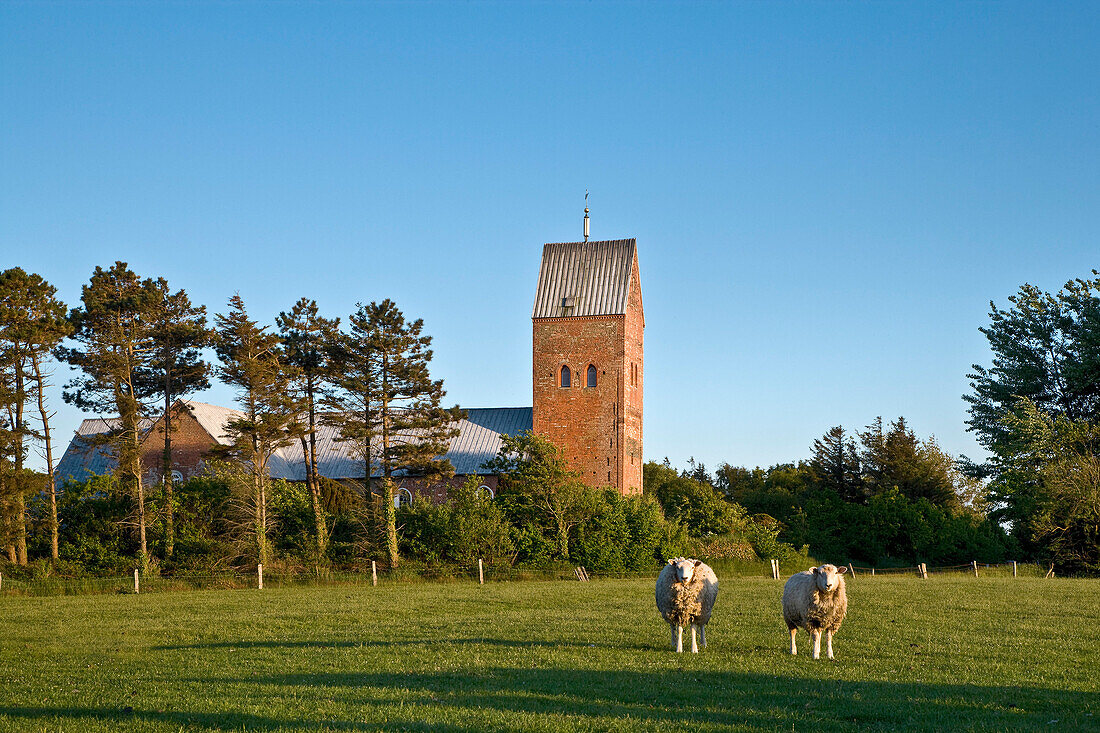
(305,335)
(355,383)
(1046,358)
(1055,475)
(537,485)
(412,426)
(114,332)
(32,322)
(835,465)
(178,334)
(1045,348)
(895,459)
(250,362)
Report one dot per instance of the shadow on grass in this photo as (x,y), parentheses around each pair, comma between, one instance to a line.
(679,699)
(346,644)
(210,721)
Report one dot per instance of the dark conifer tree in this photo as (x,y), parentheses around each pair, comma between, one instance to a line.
(251,362)
(114,331)
(177,369)
(413,428)
(305,335)
(835,465)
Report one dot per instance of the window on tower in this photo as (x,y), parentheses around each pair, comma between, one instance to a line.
(566,377)
(591,375)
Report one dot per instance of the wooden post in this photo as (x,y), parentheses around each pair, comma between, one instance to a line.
(260,576)
(1013,568)
(974,564)
(851,570)
(373,573)
(480,572)
(137,584)
(1,580)
(924,570)
(872,572)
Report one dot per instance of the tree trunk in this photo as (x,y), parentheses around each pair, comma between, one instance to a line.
(49,455)
(19,512)
(314,482)
(391,522)
(166,468)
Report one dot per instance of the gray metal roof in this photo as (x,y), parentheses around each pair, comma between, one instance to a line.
(478,441)
(584,278)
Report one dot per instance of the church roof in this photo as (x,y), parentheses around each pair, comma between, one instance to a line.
(584,278)
(478,440)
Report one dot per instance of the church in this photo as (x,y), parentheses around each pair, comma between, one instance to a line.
(587,375)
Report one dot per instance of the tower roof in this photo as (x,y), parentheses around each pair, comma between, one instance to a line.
(584,278)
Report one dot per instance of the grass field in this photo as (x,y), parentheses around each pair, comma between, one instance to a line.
(949,653)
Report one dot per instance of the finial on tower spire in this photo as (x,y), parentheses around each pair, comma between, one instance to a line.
(586,215)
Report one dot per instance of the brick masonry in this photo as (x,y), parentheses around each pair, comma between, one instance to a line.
(190,445)
(599,428)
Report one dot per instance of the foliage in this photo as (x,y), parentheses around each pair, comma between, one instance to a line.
(115,347)
(468,526)
(305,334)
(541,496)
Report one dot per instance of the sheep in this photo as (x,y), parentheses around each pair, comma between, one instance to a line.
(685,593)
(815,599)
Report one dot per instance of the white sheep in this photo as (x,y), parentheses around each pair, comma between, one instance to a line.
(685,593)
(815,600)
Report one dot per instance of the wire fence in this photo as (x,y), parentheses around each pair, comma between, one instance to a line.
(260,578)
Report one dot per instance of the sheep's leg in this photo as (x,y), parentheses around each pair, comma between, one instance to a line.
(829,643)
(703,636)
(694,643)
(815,634)
(678,634)
(794,649)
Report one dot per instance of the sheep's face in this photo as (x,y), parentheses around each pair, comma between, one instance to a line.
(684,568)
(827,577)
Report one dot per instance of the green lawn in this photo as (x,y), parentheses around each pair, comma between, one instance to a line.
(949,653)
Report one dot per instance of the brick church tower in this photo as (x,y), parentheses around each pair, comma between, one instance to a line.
(587,359)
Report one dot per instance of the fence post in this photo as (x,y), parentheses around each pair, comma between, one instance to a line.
(974,564)
(1013,568)
(373,573)
(260,575)
(924,570)
(480,572)
(852,570)
(872,572)
(137,584)
(1,580)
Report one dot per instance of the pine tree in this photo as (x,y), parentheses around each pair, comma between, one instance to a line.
(32,322)
(250,361)
(305,335)
(114,332)
(354,393)
(177,369)
(835,465)
(412,427)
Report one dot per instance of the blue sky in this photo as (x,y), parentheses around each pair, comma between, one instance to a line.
(826,196)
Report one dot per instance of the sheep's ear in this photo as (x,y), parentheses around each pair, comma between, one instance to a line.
(670,561)
(814,570)
(841,570)
(698,563)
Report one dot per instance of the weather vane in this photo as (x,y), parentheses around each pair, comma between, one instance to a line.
(586,215)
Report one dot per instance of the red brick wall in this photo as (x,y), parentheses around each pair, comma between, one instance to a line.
(190,444)
(598,428)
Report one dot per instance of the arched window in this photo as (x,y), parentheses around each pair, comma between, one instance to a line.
(566,377)
(403,497)
(591,375)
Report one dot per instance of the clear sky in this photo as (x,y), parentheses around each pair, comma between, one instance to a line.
(826,196)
